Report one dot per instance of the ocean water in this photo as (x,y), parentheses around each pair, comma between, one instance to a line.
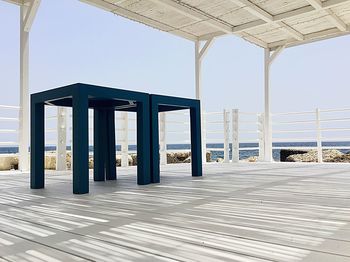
(243,154)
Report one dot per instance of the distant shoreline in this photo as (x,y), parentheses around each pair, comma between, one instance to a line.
(244,154)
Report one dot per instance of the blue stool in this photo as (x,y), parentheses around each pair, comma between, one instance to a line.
(104,101)
(160,103)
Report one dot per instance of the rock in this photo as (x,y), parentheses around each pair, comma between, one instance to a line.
(130,160)
(50,162)
(251,159)
(8,162)
(345,158)
(208,156)
(182,156)
(331,155)
(187,160)
(220,160)
(91,162)
(311,156)
(133,160)
(284,153)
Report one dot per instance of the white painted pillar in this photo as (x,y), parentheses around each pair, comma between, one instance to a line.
(200,52)
(24,93)
(198,72)
(267,109)
(268,59)
(162,138)
(27,15)
(319,136)
(235,136)
(125,139)
(226,127)
(61,150)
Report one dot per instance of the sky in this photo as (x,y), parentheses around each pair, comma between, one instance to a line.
(73,42)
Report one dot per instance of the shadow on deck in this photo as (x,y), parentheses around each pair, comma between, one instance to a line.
(243,212)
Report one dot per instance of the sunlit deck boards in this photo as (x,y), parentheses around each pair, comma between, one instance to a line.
(242,212)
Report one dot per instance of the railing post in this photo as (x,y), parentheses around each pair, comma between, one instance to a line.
(235,136)
(319,136)
(162,138)
(226,136)
(61,145)
(261,136)
(125,139)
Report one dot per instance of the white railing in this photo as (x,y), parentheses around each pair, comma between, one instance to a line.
(312,129)
(9,125)
(230,132)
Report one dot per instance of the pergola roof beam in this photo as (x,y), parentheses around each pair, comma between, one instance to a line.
(318,5)
(254,9)
(290,14)
(266,17)
(309,38)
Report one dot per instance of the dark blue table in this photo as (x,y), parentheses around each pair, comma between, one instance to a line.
(168,103)
(104,101)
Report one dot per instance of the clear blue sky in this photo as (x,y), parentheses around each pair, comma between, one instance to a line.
(74,42)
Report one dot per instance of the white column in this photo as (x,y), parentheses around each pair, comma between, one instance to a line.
(27,15)
(235,136)
(198,72)
(319,136)
(267,111)
(61,150)
(125,139)
(198,68)
(200,52)
(162,138)
(268,59)
(226,136)
(24,93)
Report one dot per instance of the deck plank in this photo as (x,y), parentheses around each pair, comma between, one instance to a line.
(243,212)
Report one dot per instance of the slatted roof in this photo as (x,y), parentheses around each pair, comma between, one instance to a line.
(266,23)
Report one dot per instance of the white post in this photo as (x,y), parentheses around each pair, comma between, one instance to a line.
(235,136)
(268,59)
(261,136)
(24,94)
(199,55)
(125,139)
(61,145)
(162,138)
(319,136)
(198,71)
(226,136)
(27,15)
(267,111)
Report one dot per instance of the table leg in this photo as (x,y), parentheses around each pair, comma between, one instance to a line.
(80,143)
(143,143)
(111,172)
(37,147)
(99,145)
(154,134)
(196,155)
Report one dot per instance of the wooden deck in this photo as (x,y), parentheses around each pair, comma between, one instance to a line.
(244,212)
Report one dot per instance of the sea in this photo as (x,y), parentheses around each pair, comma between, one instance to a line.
(243,154)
